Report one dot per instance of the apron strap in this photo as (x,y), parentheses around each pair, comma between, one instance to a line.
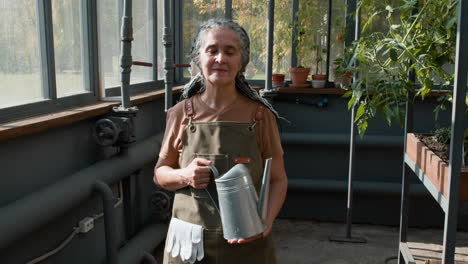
(190,113)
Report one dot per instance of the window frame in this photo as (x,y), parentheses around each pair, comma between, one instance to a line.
(90,61)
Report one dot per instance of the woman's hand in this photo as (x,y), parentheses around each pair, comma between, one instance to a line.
(196,174)
(250,239)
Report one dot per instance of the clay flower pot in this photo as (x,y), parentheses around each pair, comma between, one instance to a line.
(277,79)
(299,76)
(319,77)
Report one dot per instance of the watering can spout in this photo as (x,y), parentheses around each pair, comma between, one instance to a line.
(262,205)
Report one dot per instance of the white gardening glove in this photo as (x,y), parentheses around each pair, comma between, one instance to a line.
(185,240)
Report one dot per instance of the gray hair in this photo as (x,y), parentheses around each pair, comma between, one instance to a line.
(197,83)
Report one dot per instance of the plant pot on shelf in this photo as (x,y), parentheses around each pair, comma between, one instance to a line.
(320,77)
(343,79)
(299,76)
(434,167)
(277,79)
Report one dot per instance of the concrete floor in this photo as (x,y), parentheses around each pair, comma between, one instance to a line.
(307,242)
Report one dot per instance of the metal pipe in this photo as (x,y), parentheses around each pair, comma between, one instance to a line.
(295,7)
(145,241)
(110,225)
(149,258)
(54,200)
(330,5)
(351,170)
(126,53)
(270,29)
(168,60)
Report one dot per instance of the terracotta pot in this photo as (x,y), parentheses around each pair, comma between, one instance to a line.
(434,168)
(277,79)
(319,77)
(299,76)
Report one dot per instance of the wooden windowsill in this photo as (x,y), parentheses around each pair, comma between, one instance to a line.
(44,122)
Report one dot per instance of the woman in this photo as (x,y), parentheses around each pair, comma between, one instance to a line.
(221,122)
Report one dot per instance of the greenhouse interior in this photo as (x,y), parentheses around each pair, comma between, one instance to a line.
(357,103)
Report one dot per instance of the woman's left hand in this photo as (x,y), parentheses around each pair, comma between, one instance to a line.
(250,239)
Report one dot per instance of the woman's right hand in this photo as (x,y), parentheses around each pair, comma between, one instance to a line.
(197,174)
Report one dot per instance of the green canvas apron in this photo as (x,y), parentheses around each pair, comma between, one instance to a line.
(225,144)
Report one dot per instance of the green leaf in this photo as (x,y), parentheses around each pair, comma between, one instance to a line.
(351,102)
(361,110)
(362,127)
(347,94)
(450,22)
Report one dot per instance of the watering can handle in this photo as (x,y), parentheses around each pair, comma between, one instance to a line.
(214,170)
(215,175)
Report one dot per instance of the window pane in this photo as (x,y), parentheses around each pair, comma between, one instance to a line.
(196,12)
(19,53)
(109,42)
(338,33)
(67,46)
(142,45)
(252,16)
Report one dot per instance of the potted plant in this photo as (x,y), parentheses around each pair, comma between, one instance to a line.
(300,73)
(343,68)
(430,153)
(423,43)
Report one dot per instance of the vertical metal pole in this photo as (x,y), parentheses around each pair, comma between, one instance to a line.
(168,60)
(126,53)
(351,170)
(405,186)
(90,55)
(456,142)
(228,9)
(155,39)
(270,29)
(295,7)
(46,44)
(330,5)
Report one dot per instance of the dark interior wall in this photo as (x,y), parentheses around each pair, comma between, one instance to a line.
(32,162)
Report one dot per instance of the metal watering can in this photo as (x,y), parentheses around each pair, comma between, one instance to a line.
(242,213)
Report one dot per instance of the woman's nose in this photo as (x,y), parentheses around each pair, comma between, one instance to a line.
(220,57)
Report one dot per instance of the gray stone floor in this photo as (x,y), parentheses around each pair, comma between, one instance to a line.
(307,242)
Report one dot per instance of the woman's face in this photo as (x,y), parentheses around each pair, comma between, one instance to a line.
(220,57)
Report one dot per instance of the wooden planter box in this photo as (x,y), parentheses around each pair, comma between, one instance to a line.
(434,168)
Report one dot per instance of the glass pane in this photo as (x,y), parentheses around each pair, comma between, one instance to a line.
(142,45)
(19,53)
(160,29)
(252,16)
(282,37)
(196,12)
(68,47)
(109,42)
(338,33)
